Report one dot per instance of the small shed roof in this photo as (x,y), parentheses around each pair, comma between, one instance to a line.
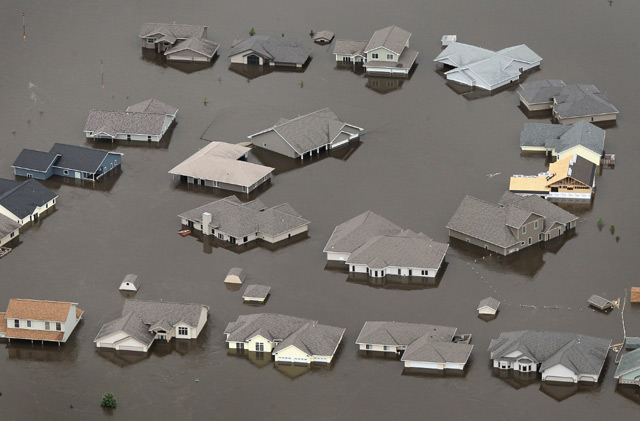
(199,45)
(132,279)
(600,302)
(239,272)
(489,302)
(256,291)
(324,36)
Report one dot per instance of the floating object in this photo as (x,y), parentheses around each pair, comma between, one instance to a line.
(130,283)
(235,276)
(197,381)
(488,306)
(464,338)
(184,233)
(4,251)
(24,31)
(635,295)
(256,293)
(448,39)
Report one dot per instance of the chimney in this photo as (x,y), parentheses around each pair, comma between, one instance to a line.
(206,222)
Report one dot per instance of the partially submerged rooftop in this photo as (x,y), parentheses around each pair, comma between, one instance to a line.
(277,49)
(561,138)
(256,292)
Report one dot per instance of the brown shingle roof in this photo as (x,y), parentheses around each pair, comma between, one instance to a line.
(53,311)
(39,335)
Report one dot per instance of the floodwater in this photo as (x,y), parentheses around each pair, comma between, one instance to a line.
(426,146)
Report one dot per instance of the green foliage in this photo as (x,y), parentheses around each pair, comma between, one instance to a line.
(205,101)
(301,84)
(13,131)
(600,223)
(612,228)
(108,401)
(71,406)
(252,32)
(283,34)
(311,33)
(617,238)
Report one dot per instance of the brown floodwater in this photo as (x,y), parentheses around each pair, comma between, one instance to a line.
(426,145)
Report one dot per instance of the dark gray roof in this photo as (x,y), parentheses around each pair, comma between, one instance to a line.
(489,302)
(277,49)
(551,213)
(153,311)
(113,123)
(561,137)
(35,160)
(240,219)
(347,47)
(398,333)
(131,324)
(392,38)
(582,101)
(310,131)
(313,339)
(629,362)
(579,353)
(428,350)
(351,234)
(406,249)
(7,226)
(256,291)
(172,31)
(199,45)
(22,198)
(631,342)
(268,325)
(152,106)
(599,302)
(541,91)
(79,158)
(583,170)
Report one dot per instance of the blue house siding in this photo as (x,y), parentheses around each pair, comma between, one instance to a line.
(110,162)
(632,377)
(64,172)
(33,174)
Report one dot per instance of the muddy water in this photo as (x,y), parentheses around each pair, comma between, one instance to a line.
(426,146)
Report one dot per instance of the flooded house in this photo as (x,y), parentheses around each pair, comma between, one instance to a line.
(178,42)
(39,320)
(371,244)
(572,177)
(235,222)
(25,201)
(387,52)
(560,141)
(559,357)
(287,338)
(307,134)
(422,345)
(69,161)
(323,37)
(146,121)
(224,166)
(514,223)
(265,50)
(9,230)
(569,104)
(488,306)
(478,67)
(256,293)
(628,370)
(143,322)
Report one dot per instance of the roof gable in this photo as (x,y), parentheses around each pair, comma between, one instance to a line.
(52,311)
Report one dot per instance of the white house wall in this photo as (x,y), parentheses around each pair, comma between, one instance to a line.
(341,257)
(70,323)
(10,236)
(39,210)
(434,365)
(131,344)
(201,322)
(559,373)
(284,236)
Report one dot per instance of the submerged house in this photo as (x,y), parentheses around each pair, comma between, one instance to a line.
(235,222)
(222,165)
(146,121)
(560,357)
(581,138)
(514,223)
(572,177)
(178,42)
(265,50)
(371,244)
(66,161)
(387,52)
(305,135)
(24,202)
(323,37)
(628,371)
(287,338)
(568,103)
(143,322)
(486,69)
(422,345)
(39,320)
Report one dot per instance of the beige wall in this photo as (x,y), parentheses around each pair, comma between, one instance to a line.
(9,237)
(273,142)
(604,117)
(382,55)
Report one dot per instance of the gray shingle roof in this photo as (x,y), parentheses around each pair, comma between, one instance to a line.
(268,325)
(35,160)
(79,158)
(277,49)
(351,234)
(153,311)
(256,291)
(583,170)
(629,362)
(240,219)
(427,350)
(313,339)
(172,30)
(561,137)
(310,131)
(22,198)
(551,213)
(199,45)
(489,302)
(152,106)
(129,323)
(324,35)
(392,38)
(406,249)
(347,47)
(600,302)
(7,226)
(132,279)
(582,354)
(582,101)
(402,334)
(541,91)
(113,123)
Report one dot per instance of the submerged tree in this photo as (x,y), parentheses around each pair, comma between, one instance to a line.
(252,32)
(612,228)
(108,401)
(600,223)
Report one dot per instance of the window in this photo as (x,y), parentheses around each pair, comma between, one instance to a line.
(128,137)
(150,40)
(524,229)
(221,236)
(259,346)
(28,323)
(111,165)
(368,347)
(386,347)
(399,271)
(29,175)
(232,240)
(47,326)
(535,225)
(200,227)
(16,323)
(389,56)
(352,268)
(65,172)
(183,331)
(213,231)
(240,346)
(245,239)
(540,237)
(529,240)
(468,240)
(148,138)
(12,234)
(374,55)
(58,326)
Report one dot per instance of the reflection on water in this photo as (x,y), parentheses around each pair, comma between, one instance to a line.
(159,59)
(515,379)
(559,391)
(630,392)
(488,317)
(210,243)
(220,193)
(356,68)
(291,370)
(38,351)
(107,145)
(159,349)
(383,85)
(472,93)
(252,71)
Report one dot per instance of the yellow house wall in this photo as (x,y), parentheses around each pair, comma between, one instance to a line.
(587,154)
(382,55)
(251,345)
